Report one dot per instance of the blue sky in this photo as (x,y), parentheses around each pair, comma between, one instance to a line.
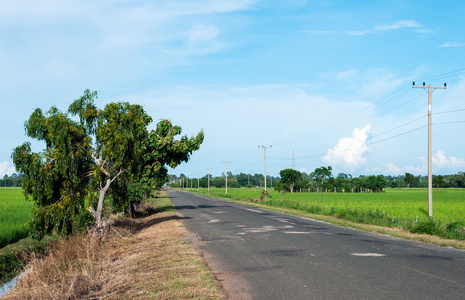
(323,82)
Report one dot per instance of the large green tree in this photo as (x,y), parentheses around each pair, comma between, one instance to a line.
(56,178)
(106,152)
(289,177)
(409,179)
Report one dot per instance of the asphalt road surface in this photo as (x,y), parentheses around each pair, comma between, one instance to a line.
(261,254)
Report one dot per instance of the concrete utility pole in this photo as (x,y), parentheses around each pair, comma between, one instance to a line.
(226,175)
(430,152)
(208,179)
(264,151)
(293,160)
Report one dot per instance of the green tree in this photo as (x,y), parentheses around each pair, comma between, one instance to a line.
(108,147)
(438,181)
(359,183)
(377,183)
(320,174)
(289,177)
(409,179)
(57,177)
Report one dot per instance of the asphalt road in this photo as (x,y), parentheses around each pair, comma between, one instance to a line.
(261,254)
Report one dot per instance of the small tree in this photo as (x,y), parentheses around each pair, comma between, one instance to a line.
(320,174)
(438,181)
(409,179)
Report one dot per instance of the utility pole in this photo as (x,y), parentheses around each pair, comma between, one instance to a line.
(226,175)
(264,151)
(431,89)
(208,179)
(293,160)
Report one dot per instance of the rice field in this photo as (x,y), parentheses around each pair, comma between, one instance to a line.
(394,208)
(15,212)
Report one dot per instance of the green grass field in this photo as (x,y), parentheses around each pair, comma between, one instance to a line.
(402,208)
(15,212)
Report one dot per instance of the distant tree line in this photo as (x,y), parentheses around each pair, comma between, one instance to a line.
(321,180)
(11,181)
(234,181)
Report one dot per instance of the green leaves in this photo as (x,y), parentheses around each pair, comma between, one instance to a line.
(161,149)
(71,168)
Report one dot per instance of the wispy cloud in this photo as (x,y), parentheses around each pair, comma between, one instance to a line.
(380,28)
(392,169)
(425,31)
(344,75)
(398,25)
(371,83)
(317,32)
(358,32)
(452,44)
(202,33)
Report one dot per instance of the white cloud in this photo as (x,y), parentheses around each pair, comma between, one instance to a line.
(6,168)
(452,44)
(441,164)
(350,151)
(399,25)
(441,161)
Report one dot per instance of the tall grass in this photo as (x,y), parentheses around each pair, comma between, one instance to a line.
(401,208)
(15,212)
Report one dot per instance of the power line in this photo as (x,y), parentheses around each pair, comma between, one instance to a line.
(321,154)
(356,115)
(449,111)
(451,122)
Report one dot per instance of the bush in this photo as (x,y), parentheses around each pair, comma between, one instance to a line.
(425,227)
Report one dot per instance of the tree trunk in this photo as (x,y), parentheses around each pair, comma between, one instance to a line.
(101,227)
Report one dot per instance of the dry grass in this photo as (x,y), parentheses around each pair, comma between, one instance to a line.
(146,258)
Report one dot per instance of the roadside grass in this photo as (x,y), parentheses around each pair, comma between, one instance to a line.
(397,211)
(144,258)
(15,212)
